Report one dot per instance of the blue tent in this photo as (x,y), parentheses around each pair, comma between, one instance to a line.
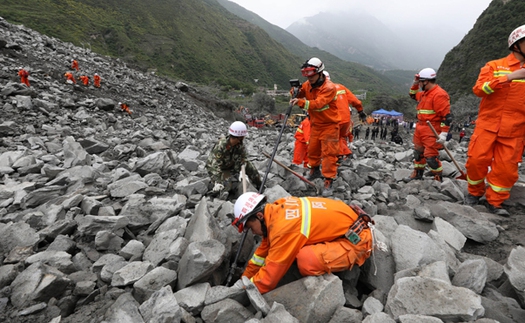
(395,113)
(381,111)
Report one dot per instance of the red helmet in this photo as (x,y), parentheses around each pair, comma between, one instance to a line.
(312,67)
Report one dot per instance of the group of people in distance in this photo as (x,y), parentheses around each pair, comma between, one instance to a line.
(70,78)
(338,235)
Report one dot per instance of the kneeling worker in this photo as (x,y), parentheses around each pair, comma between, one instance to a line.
(322,234)
(225,161)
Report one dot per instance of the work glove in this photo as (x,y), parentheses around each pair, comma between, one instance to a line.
(362,116)
(239,284)
(416,78)
(442,138)
(218,187)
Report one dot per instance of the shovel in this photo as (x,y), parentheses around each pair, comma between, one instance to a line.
(295,173)
(463,176)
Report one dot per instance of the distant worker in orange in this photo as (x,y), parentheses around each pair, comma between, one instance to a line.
(96,80)
(70,78)
(317,98)
(302,137)
(84,79)
(124,107)
(433,104)
(24,76)
(74,65)
(498,138)
(345,99)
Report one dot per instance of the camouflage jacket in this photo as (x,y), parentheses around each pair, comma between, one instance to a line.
(226,160)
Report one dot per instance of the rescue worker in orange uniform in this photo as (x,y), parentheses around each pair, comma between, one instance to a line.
(74,65)
(321,234)
(96,80)
(318,98)
(302,137)
(124,107)
(84,79)
(24,76)
(434,106)
(69,77)
(346,99)
(498,138)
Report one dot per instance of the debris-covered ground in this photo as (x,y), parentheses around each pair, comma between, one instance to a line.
(106,216)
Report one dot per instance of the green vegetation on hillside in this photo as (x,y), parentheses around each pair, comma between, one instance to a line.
(194,40)
(486,41)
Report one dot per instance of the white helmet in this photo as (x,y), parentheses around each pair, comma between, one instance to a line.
(427,74)
(516,34)
(238,129)
(244,207)
(326,74)
(312,66)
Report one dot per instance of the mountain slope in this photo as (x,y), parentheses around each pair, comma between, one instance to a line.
(194,40)
(353,75)
(486,41)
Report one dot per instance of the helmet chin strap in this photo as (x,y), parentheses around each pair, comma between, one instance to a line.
(319,81)
(263,227)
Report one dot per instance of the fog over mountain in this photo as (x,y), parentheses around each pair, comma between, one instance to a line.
(358,36)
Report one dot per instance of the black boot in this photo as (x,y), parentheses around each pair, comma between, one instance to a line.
(416,174)
(315,172)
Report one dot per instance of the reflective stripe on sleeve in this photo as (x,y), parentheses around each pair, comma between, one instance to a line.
(486,88)
(256,260)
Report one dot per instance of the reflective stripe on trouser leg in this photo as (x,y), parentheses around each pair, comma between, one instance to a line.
(504,169)
(314,147)
(329,151)
(480,154)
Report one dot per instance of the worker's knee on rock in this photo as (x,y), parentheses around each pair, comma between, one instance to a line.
(308,263)
(433,162)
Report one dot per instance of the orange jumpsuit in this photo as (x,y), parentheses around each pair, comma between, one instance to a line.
(345,98)
(320,102)
(69,76)
(433,105)
(96,80)
(498,137)
(302,136)
(84,79)
(310,230)
(24,76)
(74,65)
(125,108)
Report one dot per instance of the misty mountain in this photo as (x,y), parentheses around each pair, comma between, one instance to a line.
(359,37)
(193,40)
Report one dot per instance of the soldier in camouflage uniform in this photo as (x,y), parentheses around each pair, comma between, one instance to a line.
(225,161)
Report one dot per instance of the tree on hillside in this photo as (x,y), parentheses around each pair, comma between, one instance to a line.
(263,102)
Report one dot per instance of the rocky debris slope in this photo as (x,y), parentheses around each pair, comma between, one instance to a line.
(105,216)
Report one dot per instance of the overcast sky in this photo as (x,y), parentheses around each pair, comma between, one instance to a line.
(461,14)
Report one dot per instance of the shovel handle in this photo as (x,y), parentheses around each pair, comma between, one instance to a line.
(463,175)
(295,173)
